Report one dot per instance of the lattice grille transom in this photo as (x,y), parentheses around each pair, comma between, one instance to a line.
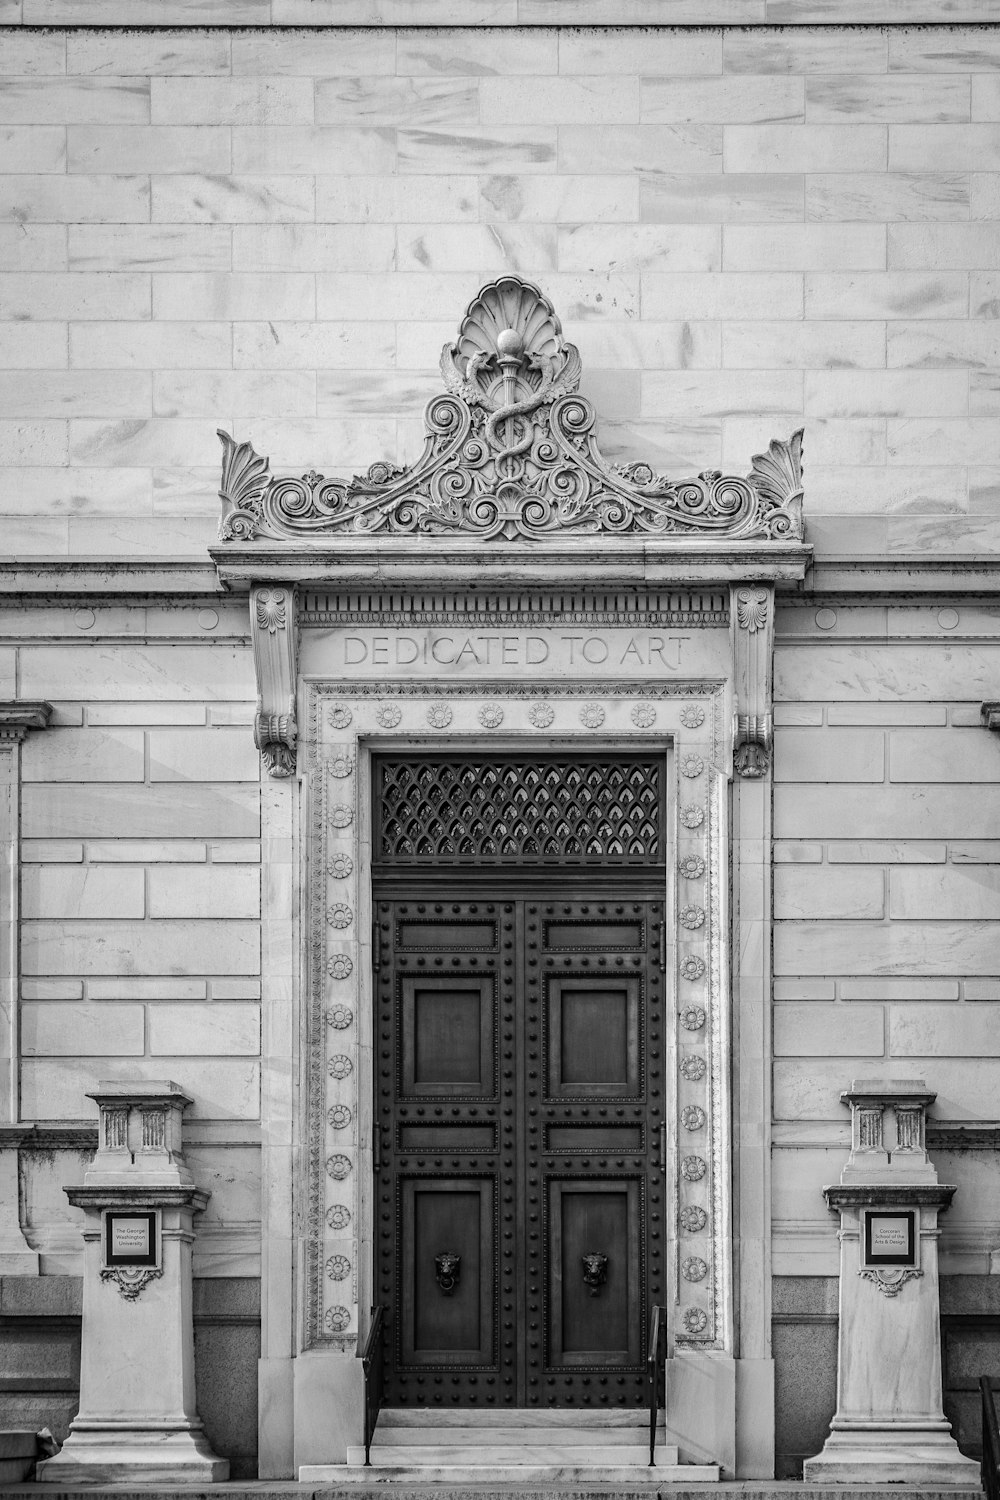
(465,809)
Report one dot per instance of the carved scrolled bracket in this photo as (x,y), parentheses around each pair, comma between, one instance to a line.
(752,617)
(272,627)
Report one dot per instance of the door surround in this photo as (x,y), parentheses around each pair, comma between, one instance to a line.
(599,594)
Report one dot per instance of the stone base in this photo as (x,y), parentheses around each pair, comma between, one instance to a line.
(890,1456)
(130,1455)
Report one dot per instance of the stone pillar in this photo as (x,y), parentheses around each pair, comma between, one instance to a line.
(889,1426)
(137,1421)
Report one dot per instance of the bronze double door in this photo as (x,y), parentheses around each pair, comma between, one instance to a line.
(520,1197)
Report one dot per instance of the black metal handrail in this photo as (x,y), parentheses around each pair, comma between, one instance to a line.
(373,1365)
(654,1370)
(991,1439)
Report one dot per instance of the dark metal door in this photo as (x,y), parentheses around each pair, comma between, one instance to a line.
(520,1197)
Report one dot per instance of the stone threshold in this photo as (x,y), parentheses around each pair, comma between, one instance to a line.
(747,1489)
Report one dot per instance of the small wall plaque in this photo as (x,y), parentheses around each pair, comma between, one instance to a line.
(889,1237)
(131,1238)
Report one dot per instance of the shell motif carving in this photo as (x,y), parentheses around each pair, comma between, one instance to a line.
(338,1167)
(693,1069)
(340,715)
(338,1267)
(340,915)
(692,866)
(541,715)
(692,765)
(340,966)
(692,967)
(388,715)
(340,866)
(751,609)
(339,1117)
(696,1320)
(439,715)
(693,1169)
(341,817)
(341,765)
(692,816)
(338,1216)
(694,1269)
(337,1319)
(691,916)
(693,1218)
(511,453)
(339,1017)
(643,715)
(693,1117)
(271,609)
(693,716)
(491,716)
(693,1018)
(340,1066)
(592,716)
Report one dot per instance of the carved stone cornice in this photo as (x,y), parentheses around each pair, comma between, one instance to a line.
(17,716)
(511,458)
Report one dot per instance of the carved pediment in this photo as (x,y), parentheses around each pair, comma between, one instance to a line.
(511,455)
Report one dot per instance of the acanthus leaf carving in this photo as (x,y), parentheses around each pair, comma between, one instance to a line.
(272,624)
(511,454)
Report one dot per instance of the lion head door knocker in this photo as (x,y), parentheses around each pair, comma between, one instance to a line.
(447,1270)
(595,1272)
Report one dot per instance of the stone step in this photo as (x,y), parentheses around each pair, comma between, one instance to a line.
(507,1456)
(466,1416)
(612,1480)
(389,1435)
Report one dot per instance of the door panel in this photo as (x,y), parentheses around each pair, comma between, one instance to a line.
(520,1096)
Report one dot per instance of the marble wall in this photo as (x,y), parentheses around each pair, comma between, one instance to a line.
(275,231)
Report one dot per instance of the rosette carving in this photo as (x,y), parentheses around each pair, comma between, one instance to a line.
(511,454)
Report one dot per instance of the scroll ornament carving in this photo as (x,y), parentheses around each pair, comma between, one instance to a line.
(511,454)
(131,1279)
(891,1283)
(272,622)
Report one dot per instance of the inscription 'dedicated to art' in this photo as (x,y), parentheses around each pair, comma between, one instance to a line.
(543,653)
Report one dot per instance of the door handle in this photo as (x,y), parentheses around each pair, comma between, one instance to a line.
(447,1270)
(595,1271)
(376,948)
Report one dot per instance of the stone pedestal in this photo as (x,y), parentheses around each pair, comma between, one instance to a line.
(889,1426)
(137,1421)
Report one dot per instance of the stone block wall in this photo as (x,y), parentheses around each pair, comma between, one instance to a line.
(274,230)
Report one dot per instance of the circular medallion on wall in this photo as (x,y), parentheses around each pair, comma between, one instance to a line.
(341,817)
(692,765)
(693,1117)
(643,716)
(693,1169)
(491,716)
(341,765)
(339,1116)
(339,915)
(338,1267)
(692,1218)
(339,1017)
(693,716)
(339,1216)
(340,716)
(340,866)
(388,715)
(337,1319)
(340,966)
(338,1167)
(692,816)
(541,715)
(692,1018)
(696,1320)
(691,916)
(692,867)
(692,967)
(439,715)
(592,716)
(340,1066)
(694,1269)
(693,1069)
